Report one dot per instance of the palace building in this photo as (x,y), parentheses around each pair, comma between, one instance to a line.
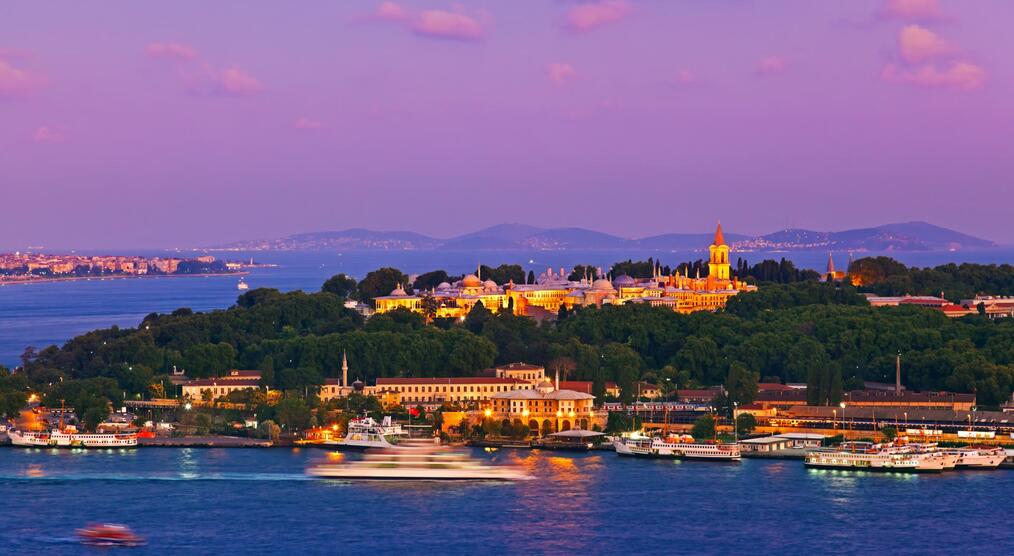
(551,291)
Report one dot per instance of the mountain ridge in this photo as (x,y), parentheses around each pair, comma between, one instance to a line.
(899,236)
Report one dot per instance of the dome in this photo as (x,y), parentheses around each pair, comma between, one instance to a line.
(399,291)
(471,281)
(443,286)
(490,285)
(602,285)
(624,281)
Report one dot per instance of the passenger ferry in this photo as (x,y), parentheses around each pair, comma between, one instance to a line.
(366,433)
(417,461)
(979,458)
(70,438)
(676,447)
(874,457)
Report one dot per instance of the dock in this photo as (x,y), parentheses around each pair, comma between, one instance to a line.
(210,441)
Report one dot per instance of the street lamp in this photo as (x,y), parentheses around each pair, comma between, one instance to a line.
(735,425)
(842,405)
(834,419)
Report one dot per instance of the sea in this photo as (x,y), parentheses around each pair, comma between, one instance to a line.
(47,313)
(259,501)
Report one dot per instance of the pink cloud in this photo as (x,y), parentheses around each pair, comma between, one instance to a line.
(201,77)
(917,44)
(686,77)
(16,82)
(171,50)
(439,24)
(920,10)
(586,17)
(236,82)
(772,65)
(389,11)
(560,73)
(959,75)
(46,134)
(307,123)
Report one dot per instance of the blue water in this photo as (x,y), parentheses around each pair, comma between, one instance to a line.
(221,501)
(51,313)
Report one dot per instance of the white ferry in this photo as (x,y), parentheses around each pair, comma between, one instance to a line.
(367,433)
(417,461)
(242,285)
(874,457)
(677,447)
(70,438)
(979,458)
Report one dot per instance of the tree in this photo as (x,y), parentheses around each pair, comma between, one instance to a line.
(703,428)
(267,372)
(746,423)
(531,277)
(430,280)
(477,318)
(620,422)
(741,384)
(293,413)
(270,430)
(429,306)
(381,282)
(341,285)
(889,433)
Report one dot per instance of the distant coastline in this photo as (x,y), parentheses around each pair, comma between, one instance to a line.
(40,279)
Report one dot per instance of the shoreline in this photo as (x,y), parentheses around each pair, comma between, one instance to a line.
(123,277)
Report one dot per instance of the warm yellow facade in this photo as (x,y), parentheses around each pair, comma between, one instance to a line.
(551,291)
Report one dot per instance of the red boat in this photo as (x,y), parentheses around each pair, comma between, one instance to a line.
(109,534)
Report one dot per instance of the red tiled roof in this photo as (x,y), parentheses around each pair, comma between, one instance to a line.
(224,382)
(237,374)
(577,385)
(772,387)
(520,367)
(451,380)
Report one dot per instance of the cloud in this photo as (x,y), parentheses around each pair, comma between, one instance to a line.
(171,50)
(686,77)
(560,73)
(202,77)
(307,123)
(389,11)
(433,24)
(46,134)
(589,16)
(771,65)
(236,82)
(959,75)
(439,24)
(14,81)
(918,10)
(917,44)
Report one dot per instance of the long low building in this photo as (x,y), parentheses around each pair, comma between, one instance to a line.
(455,389)
(785,399)
(214,388)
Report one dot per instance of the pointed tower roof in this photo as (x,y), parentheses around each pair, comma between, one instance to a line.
(830,263)
(719,237)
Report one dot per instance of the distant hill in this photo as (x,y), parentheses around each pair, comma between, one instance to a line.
(907,236)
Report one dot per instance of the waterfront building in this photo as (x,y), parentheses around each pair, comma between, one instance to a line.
(551,290)
(994,307)
(951,401)
(545,408)
(472,390)
(214,388)
(949,309)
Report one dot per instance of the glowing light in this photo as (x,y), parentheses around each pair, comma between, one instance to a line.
(187,406)
(559,414)
(488,412)
(525,413)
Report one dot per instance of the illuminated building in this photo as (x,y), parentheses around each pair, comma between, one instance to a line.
(215,388)
(551,291)
(545,408)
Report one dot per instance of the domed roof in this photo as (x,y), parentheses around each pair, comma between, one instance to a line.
(490,285)
(399,291)
(443,286)
(471,281)
(624,280)
(602,285)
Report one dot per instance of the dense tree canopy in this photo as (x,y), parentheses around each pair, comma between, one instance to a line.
(823,334)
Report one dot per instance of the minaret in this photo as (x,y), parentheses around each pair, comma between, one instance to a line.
(557,378)
(897,375)
(830,264)
(345,370)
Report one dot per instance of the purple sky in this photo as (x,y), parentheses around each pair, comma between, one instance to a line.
(137,124)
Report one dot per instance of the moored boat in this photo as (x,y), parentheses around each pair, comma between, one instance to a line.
(366,433)
(676,447)
(979,458)
(70,438)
